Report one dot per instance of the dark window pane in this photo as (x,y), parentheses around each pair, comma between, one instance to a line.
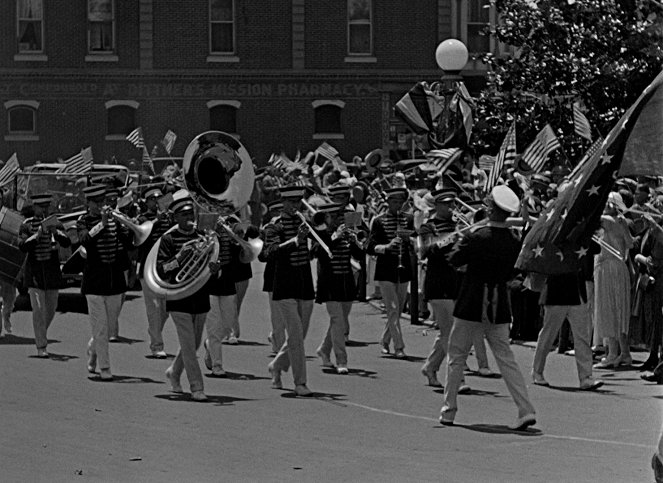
(222,10)
(328,120)
(475,41)
(30,9)
(478,11)
(29,37)
(22,119)
(121,120)
(222,37)
(359,9)
(100,10)
(223,118)
(360,39)
(101,37)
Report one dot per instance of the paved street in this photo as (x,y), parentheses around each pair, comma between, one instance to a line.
(377,424)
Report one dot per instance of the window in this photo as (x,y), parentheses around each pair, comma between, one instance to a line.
(328,119)
(121,117)
(360,28)
(101,26)
(222,27)
(30,26)
(478,19)
(21,120)
(223,116)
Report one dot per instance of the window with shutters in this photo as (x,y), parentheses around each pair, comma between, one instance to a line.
(30,26)
(101,27)
(360,27)
(222,27)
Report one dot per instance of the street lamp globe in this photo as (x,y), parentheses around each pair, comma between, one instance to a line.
(451,55)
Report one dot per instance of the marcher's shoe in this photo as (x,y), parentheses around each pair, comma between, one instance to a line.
(626,361)
(174,382)
(539,380)
(42,354)
(607,363)
(218,372)
(485,372)
(302,391)
(657,466)
(431,376)
(232,340)
(464,389)
(652,378)
(447,417)
(8,326)
(384,348)
(342,369)
(115,338)
(159,354)
(106,375)
(91,361)
(399,354)
(649,365)
(590,384)
(198,396)
(326,361)
(524,422)
(207,358)
(276,377)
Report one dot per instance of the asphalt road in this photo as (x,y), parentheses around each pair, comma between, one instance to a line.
(379,423)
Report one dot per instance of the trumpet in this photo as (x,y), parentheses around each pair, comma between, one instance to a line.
(250,248)
(140,232)
(317,238)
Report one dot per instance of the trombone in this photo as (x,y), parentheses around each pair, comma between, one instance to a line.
(250,248)
(317,238)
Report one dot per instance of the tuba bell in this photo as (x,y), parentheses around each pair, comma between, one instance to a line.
(373,159)
(218,173)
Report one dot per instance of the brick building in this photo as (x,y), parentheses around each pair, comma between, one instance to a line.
(281,74)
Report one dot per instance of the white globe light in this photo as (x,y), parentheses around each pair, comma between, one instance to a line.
(451,55)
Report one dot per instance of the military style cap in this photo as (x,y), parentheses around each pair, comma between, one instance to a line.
(505,198)
(152,193)
(339,189)
(397,192)
(292,191)
(443,195)
(41,198)
(182,205)
(94,191)
(330,208)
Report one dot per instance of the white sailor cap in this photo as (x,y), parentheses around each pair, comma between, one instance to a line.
(505,198)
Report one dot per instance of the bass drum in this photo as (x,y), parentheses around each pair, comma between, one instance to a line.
(11,257)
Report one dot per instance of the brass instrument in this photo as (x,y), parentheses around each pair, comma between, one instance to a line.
(218,173)
(250,248)
(317,238)
(140,232)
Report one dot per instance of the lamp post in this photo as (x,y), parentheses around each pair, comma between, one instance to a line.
(451,56)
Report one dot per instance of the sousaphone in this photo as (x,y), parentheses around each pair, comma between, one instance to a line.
(218,173)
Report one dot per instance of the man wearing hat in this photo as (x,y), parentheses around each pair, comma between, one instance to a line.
(155,304)
(189,313)
(490,253)
(389,241)
(104,280)
(335,282)
(277,335)
(286,243)
(40,237)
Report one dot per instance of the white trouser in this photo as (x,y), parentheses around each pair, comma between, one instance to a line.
(335,337)
(220,320)
(393,296)
(102,309)
(189,332)
(297,314)
(44,303)
(155,308)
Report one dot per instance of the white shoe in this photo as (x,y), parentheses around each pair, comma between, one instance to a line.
(399,354)
(91,361)
(326,361)
(218,372)
(8,326)
(485,372)
(41,353)
(174,382)
(198,396)
(276,377)
(232,340)
(590,384)
(464,389)
(302,391)
(106,375)
(341,369)
(159,354)
(524,422)
(539,380)
(431,376)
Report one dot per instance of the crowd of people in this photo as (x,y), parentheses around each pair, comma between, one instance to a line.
(371,230)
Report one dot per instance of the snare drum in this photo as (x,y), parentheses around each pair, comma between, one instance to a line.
(11,257)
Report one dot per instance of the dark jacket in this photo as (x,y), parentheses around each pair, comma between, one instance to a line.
(336,281)
(442,279)
(391,266)
(42,265)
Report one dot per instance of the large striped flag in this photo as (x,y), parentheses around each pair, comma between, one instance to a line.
(505,156)
(327,151)
(537,153)
(443,158)
(9,170)
(580,123)
(463,99)
(78,164)
(168,141)
(135,137)
(419,108)
(148,165)
(596,145)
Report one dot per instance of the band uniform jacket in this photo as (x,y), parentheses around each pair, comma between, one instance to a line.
(42,265)
(161,223)
(103,273)
(442,279)
(383,229)
(489,253)
(268,274)
(222,283)
(292,262)
(336,281)
(171,244)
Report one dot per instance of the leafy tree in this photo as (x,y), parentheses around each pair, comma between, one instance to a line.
(601,53)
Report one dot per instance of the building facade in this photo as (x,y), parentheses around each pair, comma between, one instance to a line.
(282,75)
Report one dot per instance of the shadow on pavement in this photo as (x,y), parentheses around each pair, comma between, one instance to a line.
(494,375)
(406,358)
(358,343)
(325,396)
(211,399)
(600,390)
(125,340)
(246,342)
(10,339)
(56,357)
(499,429)
(126,380)
(237,376)
(474,392)
(168,356)
(351,372)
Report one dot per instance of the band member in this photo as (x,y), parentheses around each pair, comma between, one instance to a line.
(40,238)
(286,243)
(223,307)
(276,336)
(336,284)
(490,253)
(103,275)
(8,294)
(112,195)
(389,241)
(155,304)
(341,194)
(189,313)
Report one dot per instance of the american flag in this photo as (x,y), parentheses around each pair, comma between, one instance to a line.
(463,99)
(419,107)
(9,170)
(536,153)
(580,123)
(168,141)
(135,137)
(559,240)
(443,158)
(505,156)
(327,151)
(596,145)
(148,165)
(78,164)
